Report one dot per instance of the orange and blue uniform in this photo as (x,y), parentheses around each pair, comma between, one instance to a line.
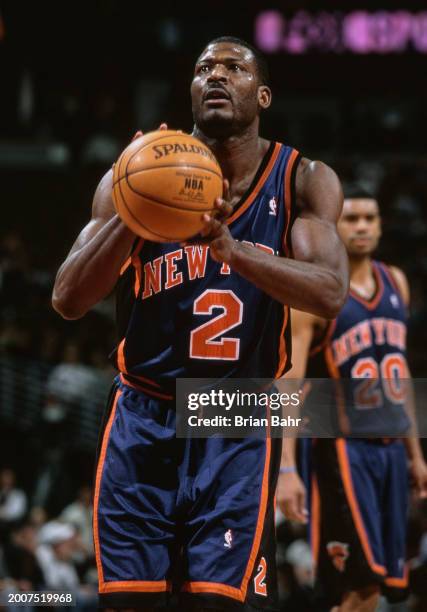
(207,503)
(359,482)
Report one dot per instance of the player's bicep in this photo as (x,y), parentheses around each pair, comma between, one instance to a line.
(314,233)
(102,212)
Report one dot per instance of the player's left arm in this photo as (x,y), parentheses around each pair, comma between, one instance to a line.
(316,279)
(417,464)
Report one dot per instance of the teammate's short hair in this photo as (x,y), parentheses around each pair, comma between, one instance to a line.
(261,62)
(355,191)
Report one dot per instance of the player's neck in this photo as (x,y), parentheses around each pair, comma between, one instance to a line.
(239,156)
(360,270)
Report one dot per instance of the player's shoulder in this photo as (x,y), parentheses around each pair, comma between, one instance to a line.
(400,279)
(306,320)
(318,188)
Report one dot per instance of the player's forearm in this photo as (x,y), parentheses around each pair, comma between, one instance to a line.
(90,273)
(288,459)
(413,448)
(301,285)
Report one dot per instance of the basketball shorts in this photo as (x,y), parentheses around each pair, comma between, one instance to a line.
(358,515)
(187,516)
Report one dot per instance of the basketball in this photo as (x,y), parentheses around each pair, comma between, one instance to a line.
(163,183)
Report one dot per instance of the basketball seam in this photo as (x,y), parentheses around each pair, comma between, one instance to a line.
(147,145)
(138,222)
(173,166)
(161,202)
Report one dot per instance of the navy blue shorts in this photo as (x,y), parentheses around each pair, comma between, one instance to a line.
(188,515)
(359,505)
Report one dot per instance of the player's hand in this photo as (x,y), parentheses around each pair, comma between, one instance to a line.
(138,134)
(291,497)
(215,231)
(418,472)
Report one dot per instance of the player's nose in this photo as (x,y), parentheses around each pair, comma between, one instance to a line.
(218,73)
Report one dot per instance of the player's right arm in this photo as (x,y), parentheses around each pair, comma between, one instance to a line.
(291,493)
(92,267)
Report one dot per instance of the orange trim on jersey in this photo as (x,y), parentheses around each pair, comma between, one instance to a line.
(344,468)
(224,589)
(144,389)
(138,586)
(261,516)
(288,198)
(251,197)
(399,583)
(125,266)
(128,261)
(326,339)
(136,262)
(213,587)
(99,469)
(387,271)
(283,354)
(315,519)
(373,303)
(121,363)
(339,394)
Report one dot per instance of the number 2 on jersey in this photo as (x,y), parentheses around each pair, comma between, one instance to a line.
(205,341)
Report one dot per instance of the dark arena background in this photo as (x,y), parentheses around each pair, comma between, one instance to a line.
(78,79)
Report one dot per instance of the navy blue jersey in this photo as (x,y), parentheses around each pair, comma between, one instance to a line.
(181,314)
(368,340)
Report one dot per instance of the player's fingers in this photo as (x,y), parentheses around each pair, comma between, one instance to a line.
(211,225)
(163,126)
(138,134)
(226,189)
(224,208)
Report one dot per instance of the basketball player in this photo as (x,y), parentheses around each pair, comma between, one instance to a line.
(359,493)
(219,308)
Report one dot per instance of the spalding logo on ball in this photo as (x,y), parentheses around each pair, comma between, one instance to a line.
(163,182)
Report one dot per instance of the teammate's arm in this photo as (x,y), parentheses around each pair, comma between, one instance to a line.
(418,467)
(291,493)
(316,280)
(92,267)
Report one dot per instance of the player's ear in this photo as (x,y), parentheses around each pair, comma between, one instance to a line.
(264,96)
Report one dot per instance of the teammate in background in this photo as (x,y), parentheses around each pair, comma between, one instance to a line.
(359,492)
(218,309)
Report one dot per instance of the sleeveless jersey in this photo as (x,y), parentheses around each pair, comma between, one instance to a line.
(367,340)
(180,314)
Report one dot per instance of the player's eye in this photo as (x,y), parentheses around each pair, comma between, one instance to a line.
(203,68)
(235,67)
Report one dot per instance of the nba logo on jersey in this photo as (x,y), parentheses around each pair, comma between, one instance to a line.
(228,537)
(394,300)
(273,207)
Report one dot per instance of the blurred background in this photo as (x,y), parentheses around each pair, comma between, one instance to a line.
(77,81)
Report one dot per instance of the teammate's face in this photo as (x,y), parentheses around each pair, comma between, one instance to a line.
(360,226)
(226,93)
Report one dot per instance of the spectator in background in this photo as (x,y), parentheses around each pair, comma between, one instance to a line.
(20,558)
(13,501)
(79,514)
(57,544)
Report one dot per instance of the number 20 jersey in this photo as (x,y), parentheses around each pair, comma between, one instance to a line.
(368,341)
(180,314)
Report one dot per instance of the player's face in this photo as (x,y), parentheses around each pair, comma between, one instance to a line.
(226,93)
(360,226)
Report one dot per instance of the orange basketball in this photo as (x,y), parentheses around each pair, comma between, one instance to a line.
(163,182)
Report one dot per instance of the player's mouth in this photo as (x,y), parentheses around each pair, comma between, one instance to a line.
(216,96)
(361,240)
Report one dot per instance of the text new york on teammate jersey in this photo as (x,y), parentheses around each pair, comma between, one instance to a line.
(181,314)
(368,341)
